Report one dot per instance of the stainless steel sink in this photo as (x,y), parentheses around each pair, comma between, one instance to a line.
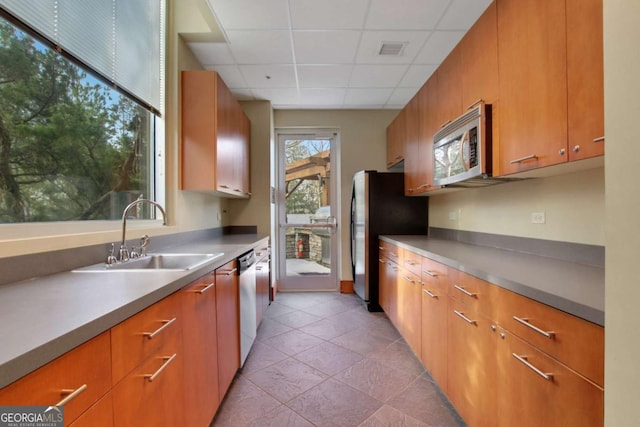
(154,262)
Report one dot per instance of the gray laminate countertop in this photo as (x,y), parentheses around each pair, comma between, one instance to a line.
(571,287)
(44,317)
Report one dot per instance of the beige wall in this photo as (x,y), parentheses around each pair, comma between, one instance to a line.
(573,205)
(362,145)
(622,91)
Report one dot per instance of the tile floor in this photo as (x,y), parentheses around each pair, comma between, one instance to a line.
(321,359)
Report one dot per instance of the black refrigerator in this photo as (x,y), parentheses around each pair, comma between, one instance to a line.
(378,207)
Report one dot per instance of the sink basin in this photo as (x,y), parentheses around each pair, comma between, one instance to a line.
(155,262)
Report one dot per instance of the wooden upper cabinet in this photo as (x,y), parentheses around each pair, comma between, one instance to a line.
(479,59)
(396,135)
(585,78)
(412,163)
(532,66)
(215,137)
(449,88)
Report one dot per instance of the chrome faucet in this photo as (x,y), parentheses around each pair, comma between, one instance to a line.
(124,253)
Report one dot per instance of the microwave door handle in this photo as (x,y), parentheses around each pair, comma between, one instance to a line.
(465,142)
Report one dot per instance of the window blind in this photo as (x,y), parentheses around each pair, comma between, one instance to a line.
(121,40)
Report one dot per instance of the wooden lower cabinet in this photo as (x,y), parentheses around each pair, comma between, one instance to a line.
(471,371)
(99,415)
(85,370)
(388,288)
(228,321)
(434,333)
(409,307)
(200,345)
(536,390)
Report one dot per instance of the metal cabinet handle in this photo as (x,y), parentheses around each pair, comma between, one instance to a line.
(599,139)
(393,254)
(410,262)
(466,319)
(464,291)
(408,279)
(229,272)
(206,288)
(429,293)
(71,394)
(523,359)
(476,102)
(165,325)
(167,360)
(525,322)
(224,186)
(576,148)
(562,151)
(381,248)
(430,273)
(525,158)
(381,261)
(420,187)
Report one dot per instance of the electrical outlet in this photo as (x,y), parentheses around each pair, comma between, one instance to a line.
(453,215)
(537,218)
(219,216)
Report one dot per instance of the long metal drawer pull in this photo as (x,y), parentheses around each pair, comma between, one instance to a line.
(464,291)
(466,319)
(167,360)
(381,261)
(408,279)
(166,324)
(523,359)
(206,288)
(476,102)
(430,273)
(525,158)
(224,186)
(429,293)
(381,248)
(71,394)
(410,262)
(525,322)
(599,139)
(230,272)
(420,187)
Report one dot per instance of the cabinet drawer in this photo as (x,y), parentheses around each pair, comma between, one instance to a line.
(574,341)
(411,261)
(151,395)
(435,276)
(476,293)
(389,250)
(541,391)
(142,335)
(83,375)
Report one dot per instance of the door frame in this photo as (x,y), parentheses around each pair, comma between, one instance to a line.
(319,282)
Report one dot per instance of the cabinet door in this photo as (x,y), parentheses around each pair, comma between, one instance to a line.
(99,415)
(585,79)
(541,391)
(434,332)
(244,158)
(410,309)
(412,163)
(227,137)
(82,376)
(228,322)
(396,135)
(390,290)
(532,66)
(428,107)
(449,88)
(200,345)
(471,371)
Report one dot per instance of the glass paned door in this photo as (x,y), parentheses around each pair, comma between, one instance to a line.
(307,219)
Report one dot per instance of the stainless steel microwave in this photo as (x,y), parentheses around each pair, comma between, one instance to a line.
(462,150)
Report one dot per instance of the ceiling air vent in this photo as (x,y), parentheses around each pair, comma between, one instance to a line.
(392,48)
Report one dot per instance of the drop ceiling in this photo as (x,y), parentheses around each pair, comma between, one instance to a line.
(326,53)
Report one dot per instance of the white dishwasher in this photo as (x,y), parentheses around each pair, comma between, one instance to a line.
(247,271)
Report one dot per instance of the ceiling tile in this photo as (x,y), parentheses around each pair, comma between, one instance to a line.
(401,96)
(417,75)
(322,97)
(368,51)
(260,47)
(325,47)
(360,97)
(405,14)
(243,94)
(377,76)
(231,75)
(462,14)
(212,53)
(251,14)
(278,97)
(279,76)
(324,76)
(438,46)
(328,14)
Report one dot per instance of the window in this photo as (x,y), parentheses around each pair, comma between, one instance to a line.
(72,148)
